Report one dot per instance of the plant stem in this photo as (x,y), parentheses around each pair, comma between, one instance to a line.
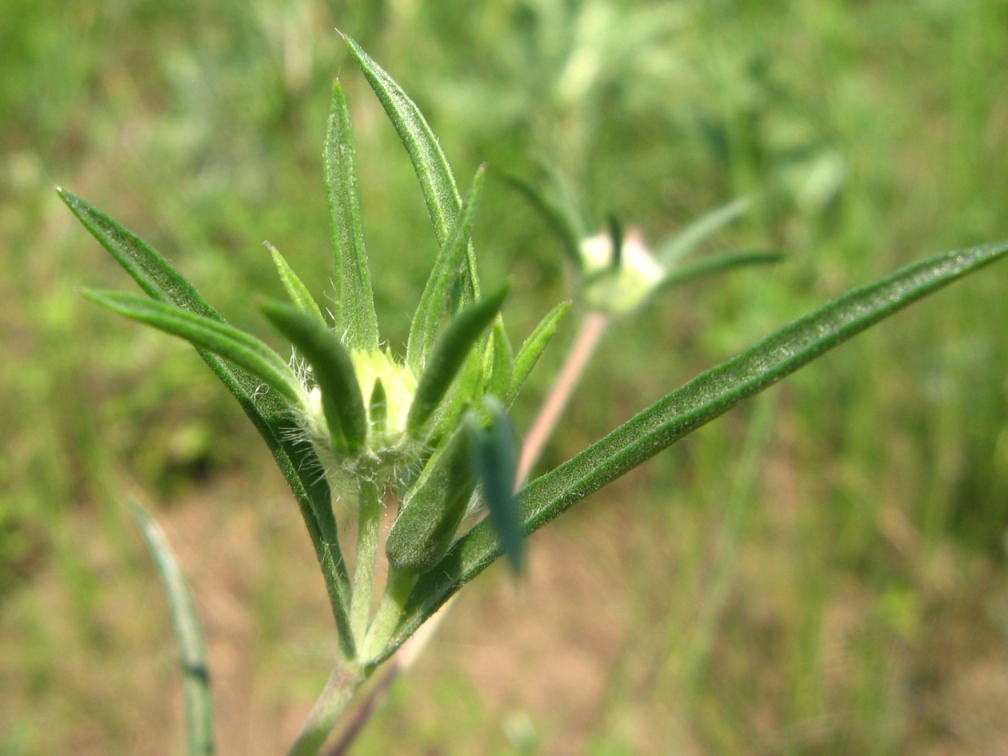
(344,681)
(397,589)
(580,355)
(367,550)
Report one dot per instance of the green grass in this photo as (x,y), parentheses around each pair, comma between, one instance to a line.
(867,607)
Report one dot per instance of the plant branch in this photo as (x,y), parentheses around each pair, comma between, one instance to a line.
(587,340)
(344,681)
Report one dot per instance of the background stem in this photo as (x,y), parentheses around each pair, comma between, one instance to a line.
(587,340)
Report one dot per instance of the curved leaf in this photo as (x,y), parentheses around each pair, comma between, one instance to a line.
(680,413)
(245,351)
(333,370)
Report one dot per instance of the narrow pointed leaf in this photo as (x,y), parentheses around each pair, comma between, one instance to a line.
(701,400)
(448,354)
(675,248)
(493,450)
(565,222)
(356,321)
(433,508)
(501,358)
(188,632)
(533,348)
(333,371)
(245,351)
(296,290)
(718,263)
(435,176)
(437,294)
(268,412)
(378,407)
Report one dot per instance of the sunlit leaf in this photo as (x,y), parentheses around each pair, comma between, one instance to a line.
(268,412)
(296,290)
(332,369)
(437,293)
(245,351)
(501,361)
(680,413)
(448,354)
(354,311)
(435,176)
(188,632)
(533,348)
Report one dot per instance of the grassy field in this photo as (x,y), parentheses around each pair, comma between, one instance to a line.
(822,571)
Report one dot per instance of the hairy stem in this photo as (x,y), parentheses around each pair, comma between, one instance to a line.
(397,590)
(367,550)
(344,681)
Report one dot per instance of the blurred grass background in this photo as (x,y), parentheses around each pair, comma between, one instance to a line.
(820,572)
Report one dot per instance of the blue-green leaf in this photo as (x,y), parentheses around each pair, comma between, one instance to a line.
(448,354)
(533,348)
(333,370)
(432,169)
(437,294)
(680,413)
(188,631)
(493,450)
(296,290)
(245,351)
(354,312)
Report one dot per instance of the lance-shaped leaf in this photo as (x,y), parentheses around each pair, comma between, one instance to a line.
(437,293)
(192,654)
(436,180)
(533,348)
(333,371)
(269,413)
(245,351)
(563,217)
(448,354)
(493,455)
(697,403)
(676,247)
(296,290)
(378,407)
(433,508)
(718,263)
(499,361)
(354,312)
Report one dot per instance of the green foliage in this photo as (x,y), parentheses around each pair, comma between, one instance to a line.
(688,408)
(192,654)
(356,321)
